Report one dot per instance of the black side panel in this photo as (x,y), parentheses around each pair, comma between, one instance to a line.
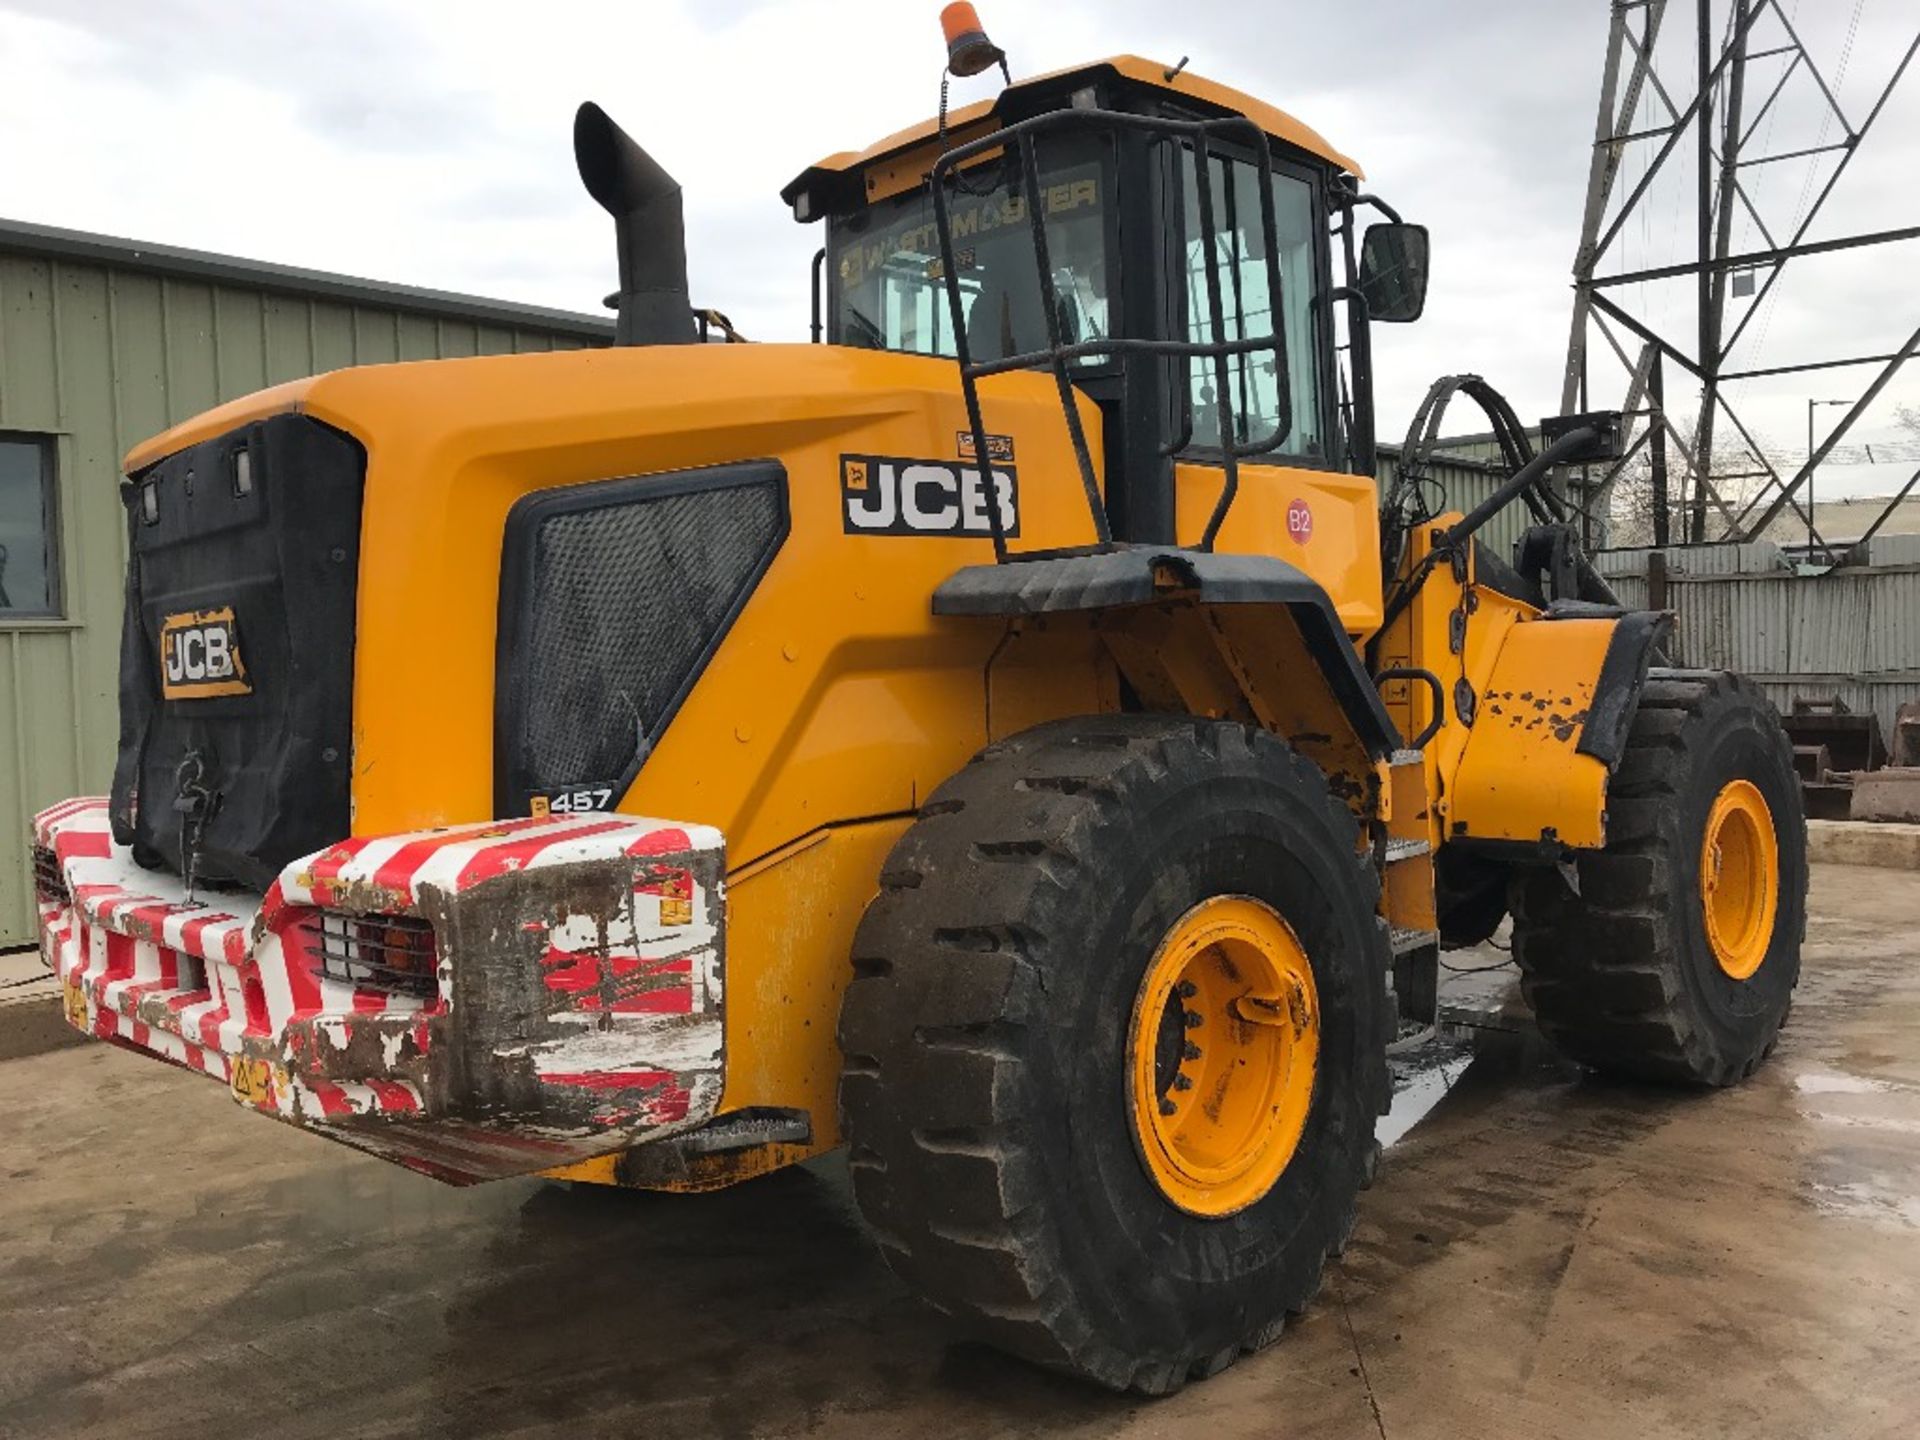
(139,698)
(274,541)
(1494,573)
(1616,693)
(613,597)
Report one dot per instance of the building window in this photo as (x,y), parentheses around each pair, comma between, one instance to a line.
(29,549)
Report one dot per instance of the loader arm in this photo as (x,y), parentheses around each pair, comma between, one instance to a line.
(1532,706)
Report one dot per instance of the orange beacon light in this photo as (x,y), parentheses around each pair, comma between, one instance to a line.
(969,51)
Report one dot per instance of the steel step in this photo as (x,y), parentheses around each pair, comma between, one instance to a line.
(1405,942)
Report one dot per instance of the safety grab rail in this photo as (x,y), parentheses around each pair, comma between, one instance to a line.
(1432,682)
(1019,137)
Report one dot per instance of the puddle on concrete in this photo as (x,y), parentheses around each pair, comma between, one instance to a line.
(1858,1101)
(1893,1124)
(1832,1084)
(1871,1199)
(1862,1165)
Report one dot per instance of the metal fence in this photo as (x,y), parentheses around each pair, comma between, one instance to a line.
(1853,632)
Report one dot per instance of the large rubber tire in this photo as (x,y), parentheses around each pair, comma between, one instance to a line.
(1622,976)
(985,1090)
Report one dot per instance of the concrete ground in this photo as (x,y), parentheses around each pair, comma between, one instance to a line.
(30,1018)
(1544,1256)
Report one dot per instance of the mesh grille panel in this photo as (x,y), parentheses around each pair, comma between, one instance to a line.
(48,883)
(623,601)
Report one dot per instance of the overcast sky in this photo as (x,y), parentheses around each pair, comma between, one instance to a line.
(428,142)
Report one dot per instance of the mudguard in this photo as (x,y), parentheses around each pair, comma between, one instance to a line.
(1132,578)
(1548,729)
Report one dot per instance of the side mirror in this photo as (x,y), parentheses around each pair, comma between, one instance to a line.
(1393,271)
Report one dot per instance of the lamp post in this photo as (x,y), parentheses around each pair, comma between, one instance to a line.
(1810,405)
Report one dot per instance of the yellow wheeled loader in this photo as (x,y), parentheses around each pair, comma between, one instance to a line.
(1014,737)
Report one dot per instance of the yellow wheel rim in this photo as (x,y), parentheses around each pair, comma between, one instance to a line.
(1221,1055)
(1739,878)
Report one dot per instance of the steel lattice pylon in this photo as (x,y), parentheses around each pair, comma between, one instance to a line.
(1716,111)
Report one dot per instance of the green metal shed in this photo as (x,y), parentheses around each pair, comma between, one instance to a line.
(104,342)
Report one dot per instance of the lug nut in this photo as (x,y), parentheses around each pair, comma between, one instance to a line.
(1186,989)
(1167,1107)
(1181,1082)
(1192,1018)
(1190,1051)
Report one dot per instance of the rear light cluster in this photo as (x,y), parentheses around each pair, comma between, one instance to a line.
(387,952)
(48,883)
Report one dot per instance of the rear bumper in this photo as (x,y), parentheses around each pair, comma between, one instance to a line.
(575,1005)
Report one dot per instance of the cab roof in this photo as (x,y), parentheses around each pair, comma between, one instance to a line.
(1210,93)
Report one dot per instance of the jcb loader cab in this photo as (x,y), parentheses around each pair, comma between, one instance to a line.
(1014,737)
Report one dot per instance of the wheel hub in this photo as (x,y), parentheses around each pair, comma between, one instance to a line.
(1222,1052)
(1739,878)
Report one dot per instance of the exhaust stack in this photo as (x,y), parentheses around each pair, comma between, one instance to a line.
(654,308)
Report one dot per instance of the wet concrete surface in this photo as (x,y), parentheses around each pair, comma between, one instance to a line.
(1544,1256)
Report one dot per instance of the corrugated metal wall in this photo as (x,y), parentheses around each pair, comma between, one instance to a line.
(1853,632)
(100,357)
(1466,483)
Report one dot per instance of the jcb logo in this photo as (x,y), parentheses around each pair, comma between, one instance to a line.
(885,495)
(200,656)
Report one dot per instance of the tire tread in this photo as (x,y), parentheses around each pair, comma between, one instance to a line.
(1601,968)
(928,1102)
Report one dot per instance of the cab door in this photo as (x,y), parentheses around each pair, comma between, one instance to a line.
(1294,500)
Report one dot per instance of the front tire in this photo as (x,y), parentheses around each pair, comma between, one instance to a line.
(1677,959)
(1046,1143)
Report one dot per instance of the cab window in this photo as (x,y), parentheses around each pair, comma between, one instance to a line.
(1249,311)
(885,260)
